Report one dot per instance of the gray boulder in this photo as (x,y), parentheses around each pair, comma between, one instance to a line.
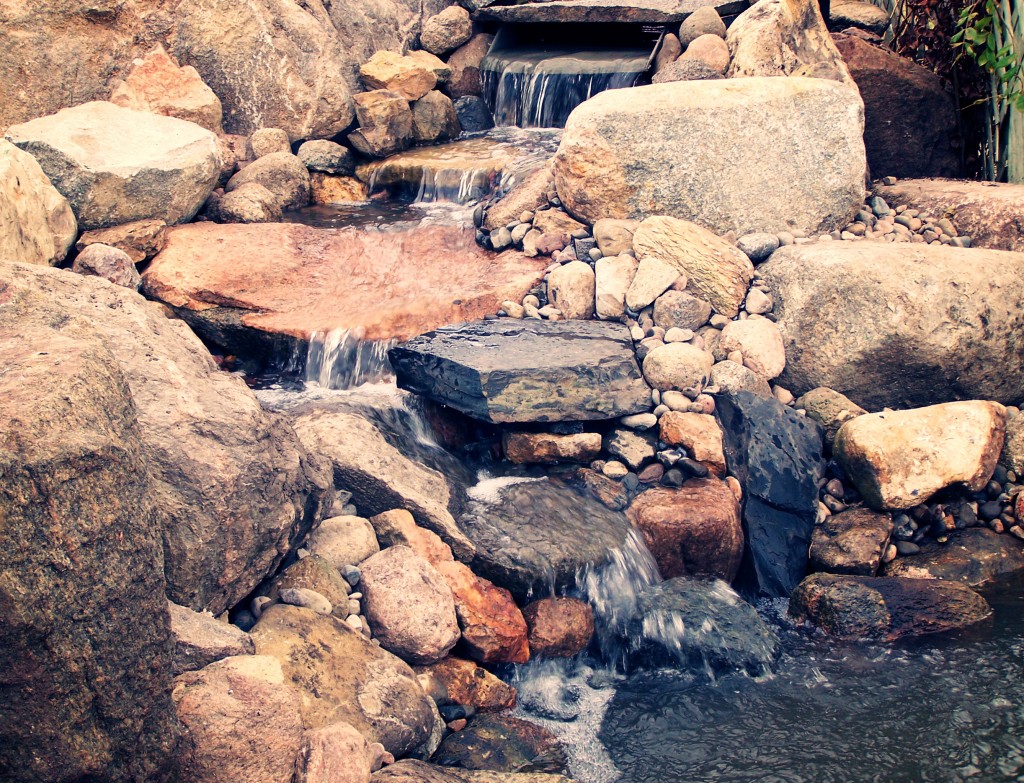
(900,326)
(520,371)
(618,146)
(115,165)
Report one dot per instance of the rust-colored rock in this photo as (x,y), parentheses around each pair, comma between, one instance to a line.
(559,627)
(549,447)
(493,628)
(332,189)
(398,528)
(694,530)
(467,683)
(699,434)
(388,285)
(852,542)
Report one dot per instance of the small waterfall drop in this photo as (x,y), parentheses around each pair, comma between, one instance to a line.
(342,359)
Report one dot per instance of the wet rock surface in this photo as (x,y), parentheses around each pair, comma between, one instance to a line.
(974,557)
(502,744)
(518,371)
(560,627)
(852,542)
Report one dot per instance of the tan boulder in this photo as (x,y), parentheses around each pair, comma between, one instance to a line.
(110,263)
(571,290)
(434,119)
(760,342)
(282,173)
(201,639)
(337,753)
(700,434)
(613,278)
(398,528)
(37,225)
(397,73)
(549,447)
(140,239)
(385,123)
(447,30)
(677,366)
(343,541)
(332,189)
(709,49)
(318,575)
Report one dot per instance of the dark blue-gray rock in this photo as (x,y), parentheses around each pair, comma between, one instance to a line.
(473,114)
(900,325)
(698,623)
(605,11)
(777,456)
(535,534)
(521,371)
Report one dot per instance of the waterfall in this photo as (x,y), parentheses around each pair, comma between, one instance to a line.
(342,359)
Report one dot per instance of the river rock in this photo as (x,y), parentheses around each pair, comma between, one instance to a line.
(518,371)
(201,639)
(731,377)
(314,280)
(248,203)
(282,173)
(898,459)
(857,13)
(571,290)
(699,434)
(975,557)
(267,141)
(115,165)
(784,38)
(466,683)
(694,530)
(537,534)
(633,448)
(447,31)
(385,123)
(830,409)
(851,542)
(686,70)
(37,225)
(987,212)
(397,74)
(465,65)
(903,321)
(560,626)
(493,628)
(715,270)
(398,528)
(759,341)
(157,84)
(83,585)
(709,49)
(312,574)
(613,277)
(700,624)
(653,276)
(335,754)
(342,676)
(328,157)
(502,743)
(857,607)
(614,237)
(677,366)
(140,239)
(777,457)
(235,488)
(549,447)
(378,475)
(434,118)
(703,21)
(107,262)
(409,606)
(910,122)
(682,310)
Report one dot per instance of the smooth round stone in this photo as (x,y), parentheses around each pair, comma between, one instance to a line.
(614,469)
(758,246)
(639,421)
(677,335)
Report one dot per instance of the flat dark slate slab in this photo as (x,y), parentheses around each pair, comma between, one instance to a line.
(523,371)
(594,11)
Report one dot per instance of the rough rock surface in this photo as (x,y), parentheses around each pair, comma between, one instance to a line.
(898,459)
(910,122)
(313,279)
(140,239)
(234,488)
(885,608)
(412,771)
(465,65)
(241,722)
(82,588)
(678,366)
(618,145)
(434,118)
(521,371)
(343,541)
(108,262)
(282,173)
(115,165)
(398,74)
(447,31)
(549,447)
(975,557)
(335,754)
(759,342)
(37,225)
(698,433)
(900,325)
(409,605)
(777,457)
(560,627)
(466,683)
(317,575)
(830,409)
(694,530)
(603,11)
(852,542)
(398,528)
(988,212)
(502,743)
(200,639)
(341,676)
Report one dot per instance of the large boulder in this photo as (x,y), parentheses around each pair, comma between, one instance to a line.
(116,165)
(523,371)
(988,212)
(910,121)
(898,459)
(37,225)
(560,626)
(900,325)
(618,146)
(241,722)
(342,676)
(274,64)
(316,280)
(975,557)
(852,542)
(777,457)
(85,643)
(858,607)
(201,639)
(234,487)
(694,530)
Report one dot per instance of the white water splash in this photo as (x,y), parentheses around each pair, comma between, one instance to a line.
(342,359)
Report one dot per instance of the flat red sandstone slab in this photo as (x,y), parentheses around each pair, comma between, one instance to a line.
(290,279)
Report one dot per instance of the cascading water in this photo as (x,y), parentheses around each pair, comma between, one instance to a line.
(342,359)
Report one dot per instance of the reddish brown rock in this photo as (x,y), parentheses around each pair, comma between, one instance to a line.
(332,189)
(699,434)
(975,557)
(107,262)
(559,627)
(493,628)
(465,65)
(141,239)
(852,542)
(691,531)
(398,528)
(886,609)
(467,683)
(549,447)
(337,753)
(313,279)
